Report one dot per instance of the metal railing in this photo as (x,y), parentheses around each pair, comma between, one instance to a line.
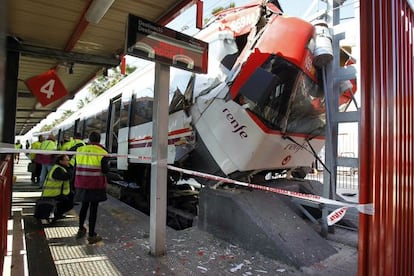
(5,203)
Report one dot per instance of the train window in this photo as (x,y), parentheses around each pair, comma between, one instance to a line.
(287,100)
(142,111)
(124,114)
(81,130)
(96,122)
(93,124)
(71,130)
(307,110)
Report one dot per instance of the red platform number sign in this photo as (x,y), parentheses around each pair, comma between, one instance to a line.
(47,87)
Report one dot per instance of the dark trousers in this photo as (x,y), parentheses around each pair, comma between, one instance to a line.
(93,212)
(63,205)
(36,173)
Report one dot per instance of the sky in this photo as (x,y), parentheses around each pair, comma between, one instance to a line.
(186,23)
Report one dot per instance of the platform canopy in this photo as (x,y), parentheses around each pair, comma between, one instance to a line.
(70,38)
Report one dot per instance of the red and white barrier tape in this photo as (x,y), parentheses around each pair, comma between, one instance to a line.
(333,217)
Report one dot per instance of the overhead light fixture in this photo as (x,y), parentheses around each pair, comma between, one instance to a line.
(97,10)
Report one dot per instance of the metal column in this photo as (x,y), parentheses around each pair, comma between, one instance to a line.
(333,74)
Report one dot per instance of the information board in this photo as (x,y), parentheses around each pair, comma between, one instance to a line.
(148,40)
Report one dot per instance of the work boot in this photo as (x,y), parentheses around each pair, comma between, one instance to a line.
(81,233)
(57,217)
(94,239)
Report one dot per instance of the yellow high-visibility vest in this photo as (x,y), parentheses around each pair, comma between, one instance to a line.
(35,145)
(48,145)
(88,168)
(54,187)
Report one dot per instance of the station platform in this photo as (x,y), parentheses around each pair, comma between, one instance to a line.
(37,247)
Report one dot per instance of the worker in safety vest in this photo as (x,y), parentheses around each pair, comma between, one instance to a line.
(18,146)
(57,186)
(46,160)
(36,145)
(76,142)
(67,142)
(90,183)
(37,167)
(71,144)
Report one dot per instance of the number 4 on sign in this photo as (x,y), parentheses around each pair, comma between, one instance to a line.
(47,88)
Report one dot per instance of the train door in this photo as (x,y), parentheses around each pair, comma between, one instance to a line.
(127,106)
(79,128)
(114,121)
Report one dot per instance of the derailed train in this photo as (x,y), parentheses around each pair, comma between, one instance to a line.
(259,109)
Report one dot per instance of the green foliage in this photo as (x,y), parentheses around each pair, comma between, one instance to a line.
(64,116)
(83,102)
(102,83)
(46,128)
(67,113)
(219,9)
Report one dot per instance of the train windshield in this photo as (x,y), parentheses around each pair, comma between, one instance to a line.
(286,99)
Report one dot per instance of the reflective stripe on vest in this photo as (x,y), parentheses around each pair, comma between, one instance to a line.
(89,170)
(53,187)
(89,173)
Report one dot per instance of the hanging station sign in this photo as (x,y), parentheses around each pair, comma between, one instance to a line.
(147,40)
(47,87)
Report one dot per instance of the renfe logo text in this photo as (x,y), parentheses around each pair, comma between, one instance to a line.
(237,127)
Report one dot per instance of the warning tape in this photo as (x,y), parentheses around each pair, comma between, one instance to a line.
(332,218)
(336,215)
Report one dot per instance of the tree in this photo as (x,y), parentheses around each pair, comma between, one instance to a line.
(82,102)
(103,83)
(67,113)
(46,128)
(57,121)
(219,9)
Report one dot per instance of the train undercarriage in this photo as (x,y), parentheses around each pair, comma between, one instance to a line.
(182,199)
